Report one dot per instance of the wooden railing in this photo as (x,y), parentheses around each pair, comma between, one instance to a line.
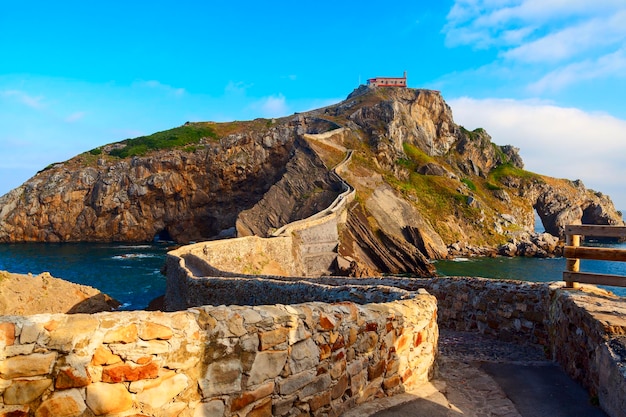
(574,253)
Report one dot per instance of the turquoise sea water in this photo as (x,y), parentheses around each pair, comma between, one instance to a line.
(530,269)
(131,273)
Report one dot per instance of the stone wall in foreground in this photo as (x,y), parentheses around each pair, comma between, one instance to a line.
(583,330)
(311,358)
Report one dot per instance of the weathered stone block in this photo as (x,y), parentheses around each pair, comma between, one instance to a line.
(340,387)
(74,330)
(318,385)
(29,365)
(103,398)
(319,401)
(164,391)
(7,334)
(140,349)
(223,377)
(72,378)
(25,391)
(125,334)
(372,390)
(128,373)
(376,370)
(103,356)
(151,331)
(392,382)
(249,397)
(67,403)
(295,382)
(304,355)
(263,409)
(273,338)
(327,322)
(213,408)
(267,365)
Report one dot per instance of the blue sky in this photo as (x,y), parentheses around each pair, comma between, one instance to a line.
(547,76)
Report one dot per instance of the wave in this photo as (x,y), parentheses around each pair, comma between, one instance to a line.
(134,256)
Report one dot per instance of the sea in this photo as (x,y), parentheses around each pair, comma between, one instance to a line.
(129,273)
(132,273)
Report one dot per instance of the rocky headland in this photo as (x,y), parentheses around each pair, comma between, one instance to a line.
(426,188)
(25,295)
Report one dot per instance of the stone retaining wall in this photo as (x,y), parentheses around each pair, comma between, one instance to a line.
(311,359)
(583,330)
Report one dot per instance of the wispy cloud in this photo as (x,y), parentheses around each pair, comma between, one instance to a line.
(157,85)
(76,116)
(272,106)
(556,141)
(554,37)
(34,102)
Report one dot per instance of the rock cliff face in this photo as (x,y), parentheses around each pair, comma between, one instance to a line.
(423,184)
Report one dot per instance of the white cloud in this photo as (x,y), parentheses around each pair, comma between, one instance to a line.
(272,106)
(613,64)
(157,85)
(76,116)
(555,141)
(546,37)
(35,102)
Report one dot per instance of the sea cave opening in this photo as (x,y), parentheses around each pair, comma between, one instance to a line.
(162,236)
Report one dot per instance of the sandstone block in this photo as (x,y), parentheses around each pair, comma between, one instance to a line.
(403,342)
(319,401)
(74,330)
(28,365)
(7,334)
(340,387)
(168,388)
(318,385)
(140,349)
(15,411)
(25,391)
(273,337)
(151,331)
(103,356)
(235,325)
(223,377)
(68,403)
(103,398)
(264,409)
(267,365)
(30,333)
(295,382)
(128,373)
(17,350)
(125,334)
(372,390)
(72,378)
(304,355)
(249,397)
(376,370)
(213,408)
(391,383)
(327,322)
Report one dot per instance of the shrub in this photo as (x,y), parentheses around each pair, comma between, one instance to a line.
(469,184)
(188,134)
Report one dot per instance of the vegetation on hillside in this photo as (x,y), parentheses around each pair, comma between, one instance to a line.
(185,135)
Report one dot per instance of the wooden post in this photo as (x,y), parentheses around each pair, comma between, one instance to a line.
(572,265)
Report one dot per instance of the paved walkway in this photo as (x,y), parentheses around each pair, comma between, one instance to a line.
(481,377)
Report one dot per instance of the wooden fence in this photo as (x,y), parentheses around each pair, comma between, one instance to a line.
(574,253)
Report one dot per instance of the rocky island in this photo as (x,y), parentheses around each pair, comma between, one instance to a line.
(382,182)
(425,187)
